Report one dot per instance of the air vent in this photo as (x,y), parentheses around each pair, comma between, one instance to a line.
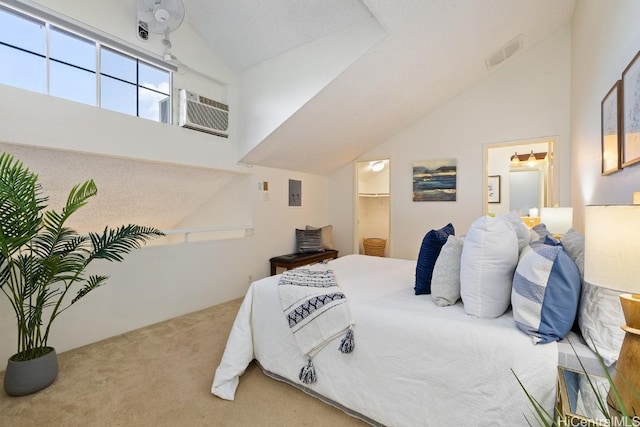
(504,53)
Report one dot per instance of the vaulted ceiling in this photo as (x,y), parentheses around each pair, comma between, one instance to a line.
(431,51)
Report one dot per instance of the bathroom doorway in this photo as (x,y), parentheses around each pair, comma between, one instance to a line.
(372,207)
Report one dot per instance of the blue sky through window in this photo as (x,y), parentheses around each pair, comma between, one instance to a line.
(127,85)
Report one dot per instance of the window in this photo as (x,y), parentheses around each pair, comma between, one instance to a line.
(22,50)
(40,56)
(132,86)
(72,67)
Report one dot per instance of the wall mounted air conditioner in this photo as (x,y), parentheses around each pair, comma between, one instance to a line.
(203,114)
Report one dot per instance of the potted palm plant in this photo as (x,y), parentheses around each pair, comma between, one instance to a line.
(43,263)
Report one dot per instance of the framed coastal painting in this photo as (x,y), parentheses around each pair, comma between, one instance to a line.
(435,180)
(631,113)
(611,136)
(493,189)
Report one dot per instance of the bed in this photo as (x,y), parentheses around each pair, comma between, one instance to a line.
(414,363)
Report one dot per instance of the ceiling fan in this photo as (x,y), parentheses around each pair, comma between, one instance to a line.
(158,16)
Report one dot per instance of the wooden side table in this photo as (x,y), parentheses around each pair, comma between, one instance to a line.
(298,259)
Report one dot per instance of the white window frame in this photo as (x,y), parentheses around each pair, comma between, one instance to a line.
(50,17)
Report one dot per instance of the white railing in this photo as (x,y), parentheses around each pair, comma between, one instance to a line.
(209,233)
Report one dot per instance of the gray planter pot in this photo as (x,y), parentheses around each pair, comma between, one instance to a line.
(30,376)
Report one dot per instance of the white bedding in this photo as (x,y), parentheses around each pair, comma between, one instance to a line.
(414,363)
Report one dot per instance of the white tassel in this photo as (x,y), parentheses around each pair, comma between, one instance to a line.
(308,373)
(347,344)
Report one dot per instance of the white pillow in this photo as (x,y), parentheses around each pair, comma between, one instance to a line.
(445,281)
(600,317)
(489,259)
(599,313)
(522,231)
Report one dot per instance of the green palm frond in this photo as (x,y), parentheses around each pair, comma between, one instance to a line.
(542,416)
(92,283)
(41,259)
(113,243)
(21,204)
(61,242)
(78,197)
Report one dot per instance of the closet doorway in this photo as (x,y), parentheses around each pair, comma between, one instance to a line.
(372,207)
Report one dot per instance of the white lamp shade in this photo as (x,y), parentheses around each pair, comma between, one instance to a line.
(557,220)
(612,247)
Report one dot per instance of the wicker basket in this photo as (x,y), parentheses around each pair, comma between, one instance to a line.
(374,246)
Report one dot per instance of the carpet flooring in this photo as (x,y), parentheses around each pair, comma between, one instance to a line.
(161,375)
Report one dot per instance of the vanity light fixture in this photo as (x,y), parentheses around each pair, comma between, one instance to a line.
(531,161)
(515,160)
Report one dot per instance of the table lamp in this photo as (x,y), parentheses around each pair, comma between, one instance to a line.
(612,260)
(557,220)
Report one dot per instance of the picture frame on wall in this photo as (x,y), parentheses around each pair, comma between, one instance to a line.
(611,134)
(631,112)
(435,180)
(493,188)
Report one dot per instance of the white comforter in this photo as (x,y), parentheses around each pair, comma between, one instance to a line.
(414,363)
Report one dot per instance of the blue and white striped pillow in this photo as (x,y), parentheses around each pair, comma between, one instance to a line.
(545,293)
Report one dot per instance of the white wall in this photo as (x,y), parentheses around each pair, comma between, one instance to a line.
(342,207)
(272,91)
(156,283)
(160,282)
(605,38)
(34,119)
(152,284)
(231,205)
(527,97)
(275,221)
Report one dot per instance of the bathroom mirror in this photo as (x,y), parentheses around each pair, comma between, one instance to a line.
(526,183)
(526,190)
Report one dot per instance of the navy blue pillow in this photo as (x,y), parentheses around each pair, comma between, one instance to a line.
(432,243)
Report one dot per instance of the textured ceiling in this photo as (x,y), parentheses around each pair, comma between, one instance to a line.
(129,191)
(432,50)
(247,32)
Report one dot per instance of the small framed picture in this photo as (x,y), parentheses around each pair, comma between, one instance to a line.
(611,136)
(493,188)
(631,113)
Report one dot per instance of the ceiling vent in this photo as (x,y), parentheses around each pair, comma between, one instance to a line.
(504,53)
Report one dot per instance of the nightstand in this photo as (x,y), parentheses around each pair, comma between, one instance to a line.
(577,403)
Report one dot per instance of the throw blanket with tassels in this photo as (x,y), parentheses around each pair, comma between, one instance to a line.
(317,312)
